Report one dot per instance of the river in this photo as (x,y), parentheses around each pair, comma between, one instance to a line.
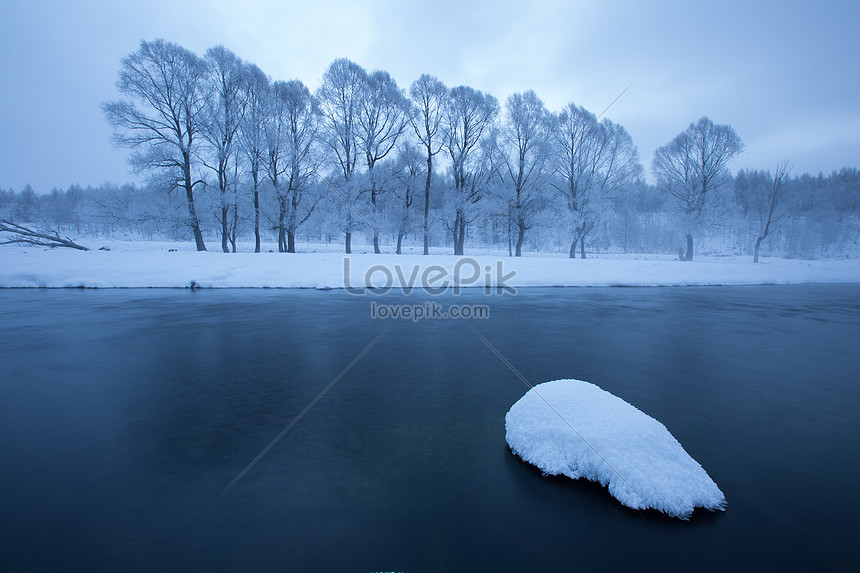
(127,419)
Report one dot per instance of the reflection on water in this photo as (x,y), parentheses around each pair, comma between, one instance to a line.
(124,415)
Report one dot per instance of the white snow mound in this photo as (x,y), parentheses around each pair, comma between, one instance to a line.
(574,428)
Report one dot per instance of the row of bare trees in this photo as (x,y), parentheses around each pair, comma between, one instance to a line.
(184,116)
(364,144)
(373,154)
(219,122)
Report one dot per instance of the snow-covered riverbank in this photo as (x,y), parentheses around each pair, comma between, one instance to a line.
(133,265)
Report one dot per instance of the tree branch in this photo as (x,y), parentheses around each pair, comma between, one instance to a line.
(22,235)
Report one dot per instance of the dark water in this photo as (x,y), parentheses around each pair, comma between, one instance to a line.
(125,414)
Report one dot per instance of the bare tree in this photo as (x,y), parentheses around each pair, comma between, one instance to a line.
(236,176)
(429,96)
(774,199)
(762,196)
(383,115)
(595,160)
(523,142)
(468,115)
(252,134)
(301,159)
(276,160)
(161,115)
(26,206)
(340,96)
(225,108)
(693,167)
(406,172)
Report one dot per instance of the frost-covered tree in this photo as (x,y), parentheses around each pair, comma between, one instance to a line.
(275,158)
(639,221)
(469,114)
(61,209)
(26,207)
(291,160)
(595,159)
(693,167)
(302,159)
(7,199)
(406,171)
(225,108)
(762,197)
(524,158)
(383,115)
(429,96)
(340,98)
(160,117)
(252,135)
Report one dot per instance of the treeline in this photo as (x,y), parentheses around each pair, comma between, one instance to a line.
(820,219)
(230,155)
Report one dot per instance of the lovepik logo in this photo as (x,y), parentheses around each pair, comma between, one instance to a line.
(434,279)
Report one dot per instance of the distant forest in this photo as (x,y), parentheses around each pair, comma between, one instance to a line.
(231,156)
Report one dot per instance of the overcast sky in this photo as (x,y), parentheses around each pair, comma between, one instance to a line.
(784,74)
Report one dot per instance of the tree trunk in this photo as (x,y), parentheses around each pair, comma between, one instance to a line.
(192,212)
(461,239)
(195,224)
(282,231)
(225,231)
(626,230)
(573,249)
(256,218)
(231,234)
(234,232)
(582,247)
(44,238)
(375,209)
(456,233)
(689,255)
(520,236)
(348,243)
(757,245)
(291,241)
(426,205)
(399,242)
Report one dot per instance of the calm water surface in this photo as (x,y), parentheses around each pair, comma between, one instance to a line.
(125,414)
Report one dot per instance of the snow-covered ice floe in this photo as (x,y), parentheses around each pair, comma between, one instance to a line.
(574,428)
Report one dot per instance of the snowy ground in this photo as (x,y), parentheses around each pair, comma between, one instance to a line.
(151,264)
